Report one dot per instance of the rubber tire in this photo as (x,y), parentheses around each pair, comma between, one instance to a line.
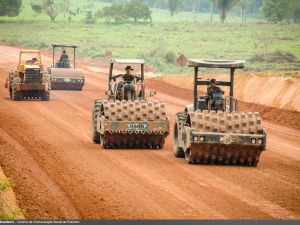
(10,93)
(178,152)
(46,94)
(16,95)
(95,114)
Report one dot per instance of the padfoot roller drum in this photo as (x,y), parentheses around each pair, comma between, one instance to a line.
(219,137)
(130,124)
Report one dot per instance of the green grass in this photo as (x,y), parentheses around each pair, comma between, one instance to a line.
(13,215)
(187,33)
(5,184)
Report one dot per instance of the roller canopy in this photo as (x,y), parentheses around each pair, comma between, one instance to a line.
(65,45)
(214,63)
(29,51)
(128,61)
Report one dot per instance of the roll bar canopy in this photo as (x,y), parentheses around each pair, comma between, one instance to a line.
(215,63)
(64,45)
(128,61)
(140,62)
(74,46)
(29,51)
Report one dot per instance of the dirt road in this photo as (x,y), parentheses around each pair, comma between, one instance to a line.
(59,173)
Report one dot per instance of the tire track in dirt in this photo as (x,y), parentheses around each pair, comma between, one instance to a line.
(64,208)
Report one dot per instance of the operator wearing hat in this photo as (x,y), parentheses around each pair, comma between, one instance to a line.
(32,61)
(129,80)
(213,88)
(128,77)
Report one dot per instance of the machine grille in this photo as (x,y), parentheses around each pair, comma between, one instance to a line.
(32,75)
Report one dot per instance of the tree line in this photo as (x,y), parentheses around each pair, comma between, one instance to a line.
(271,10)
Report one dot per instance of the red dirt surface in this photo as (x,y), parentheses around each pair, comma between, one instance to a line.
(60,174)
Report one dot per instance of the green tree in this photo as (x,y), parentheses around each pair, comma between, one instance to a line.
(10,7)
(224,6)
(54,7)
(211,10)
(194,4)
(89,18)
(137,9)
(254,8)
(295,11)
(244,4)
(37,8)
(114,11)
(274,10)
(174,6)
(280,10)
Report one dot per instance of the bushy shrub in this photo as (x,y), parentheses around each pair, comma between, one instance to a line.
(89,18)
(37,8)
(170,57)
(275,57)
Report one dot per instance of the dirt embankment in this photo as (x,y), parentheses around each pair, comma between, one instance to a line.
(266,88)
(274,97)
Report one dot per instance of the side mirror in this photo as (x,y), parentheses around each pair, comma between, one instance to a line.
(152,93)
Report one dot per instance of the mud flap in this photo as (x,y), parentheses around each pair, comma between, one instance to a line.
(100,124)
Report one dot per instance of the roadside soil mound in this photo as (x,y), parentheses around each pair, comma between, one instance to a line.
(265,88)
(282,116)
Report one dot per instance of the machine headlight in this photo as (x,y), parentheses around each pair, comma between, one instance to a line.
(196,138)
(202,139)
(260,141)
(253,140)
